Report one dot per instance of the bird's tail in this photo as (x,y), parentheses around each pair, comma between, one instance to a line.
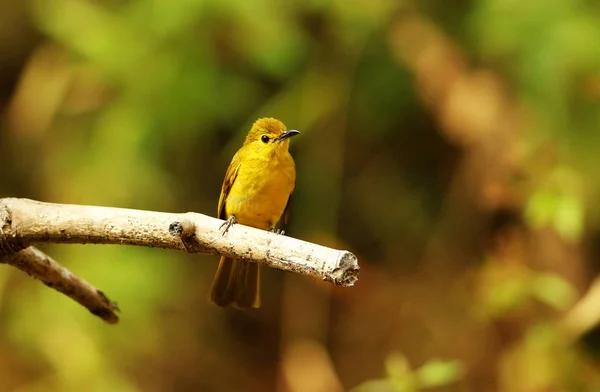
(236,283)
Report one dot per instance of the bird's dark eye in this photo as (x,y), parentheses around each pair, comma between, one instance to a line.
(264,138)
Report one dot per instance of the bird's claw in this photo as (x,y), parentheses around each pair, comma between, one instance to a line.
(227,224)
(278,231)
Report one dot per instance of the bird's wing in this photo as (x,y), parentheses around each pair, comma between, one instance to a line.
(230,176)
(284,217)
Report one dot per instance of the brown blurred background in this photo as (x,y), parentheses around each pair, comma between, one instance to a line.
(452,145)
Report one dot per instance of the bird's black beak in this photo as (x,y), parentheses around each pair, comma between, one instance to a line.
(287,134)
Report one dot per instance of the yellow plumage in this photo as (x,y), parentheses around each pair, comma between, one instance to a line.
(256,191)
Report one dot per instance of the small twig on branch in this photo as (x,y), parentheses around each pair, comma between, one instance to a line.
(24,222)
(39,265)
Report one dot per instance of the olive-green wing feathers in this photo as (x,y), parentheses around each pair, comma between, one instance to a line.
(230,176)
(286,211)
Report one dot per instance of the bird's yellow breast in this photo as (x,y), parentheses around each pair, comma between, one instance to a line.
(261,190)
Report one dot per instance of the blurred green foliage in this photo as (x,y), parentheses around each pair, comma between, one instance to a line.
(451,145)
(401,378)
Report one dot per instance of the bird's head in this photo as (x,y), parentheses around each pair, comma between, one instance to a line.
(269,135)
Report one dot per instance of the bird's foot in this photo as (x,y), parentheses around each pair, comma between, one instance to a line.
(227,224)
(277,231)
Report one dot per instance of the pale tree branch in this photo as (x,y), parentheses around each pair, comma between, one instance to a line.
(24,222)
(40,266)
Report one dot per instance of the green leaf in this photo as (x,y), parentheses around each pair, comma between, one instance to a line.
(540,208)
(438,372)
(554,291)
(569,218)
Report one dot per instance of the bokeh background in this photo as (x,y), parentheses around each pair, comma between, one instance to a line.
(452,145)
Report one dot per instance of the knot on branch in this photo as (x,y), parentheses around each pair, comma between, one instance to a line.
(184,229)
(9,243)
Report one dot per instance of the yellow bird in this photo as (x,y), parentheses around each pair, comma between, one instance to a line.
(256,192)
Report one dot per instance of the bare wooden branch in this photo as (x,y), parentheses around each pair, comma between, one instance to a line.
(39,265)
(25,222)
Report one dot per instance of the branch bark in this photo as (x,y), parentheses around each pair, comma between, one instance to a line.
(25,222)
(41,266)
